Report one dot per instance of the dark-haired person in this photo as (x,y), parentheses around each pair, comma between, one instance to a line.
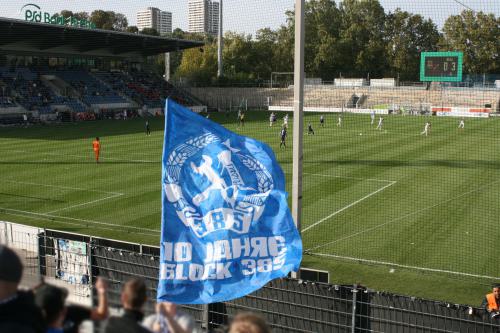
(283,135)
(491,301)
(51,300)
(18,312)
(133,297)
(76,314)
(310,129)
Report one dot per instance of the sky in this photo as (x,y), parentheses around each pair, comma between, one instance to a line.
(244,16)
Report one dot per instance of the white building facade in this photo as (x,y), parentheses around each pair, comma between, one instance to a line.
(155,18)
(203,16)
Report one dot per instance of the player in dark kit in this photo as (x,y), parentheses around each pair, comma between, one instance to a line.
(148,131)
(310,129)
(283,136)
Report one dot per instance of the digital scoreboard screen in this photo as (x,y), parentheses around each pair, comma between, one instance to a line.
(441,66)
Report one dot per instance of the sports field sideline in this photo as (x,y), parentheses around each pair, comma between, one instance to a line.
(391,209)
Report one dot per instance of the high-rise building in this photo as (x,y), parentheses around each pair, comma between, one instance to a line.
(203,16)
(155,18)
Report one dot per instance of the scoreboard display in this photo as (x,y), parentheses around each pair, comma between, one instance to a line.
(441,66)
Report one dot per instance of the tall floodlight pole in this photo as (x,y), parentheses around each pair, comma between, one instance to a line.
(220,43)
(298,120)
(167,66)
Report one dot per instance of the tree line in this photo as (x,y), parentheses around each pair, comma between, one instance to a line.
(350,39)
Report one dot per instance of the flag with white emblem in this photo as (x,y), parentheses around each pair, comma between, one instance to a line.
(226,228)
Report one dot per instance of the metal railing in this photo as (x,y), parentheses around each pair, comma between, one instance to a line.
(288,305)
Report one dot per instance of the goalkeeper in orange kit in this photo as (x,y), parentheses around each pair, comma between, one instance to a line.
(96,145)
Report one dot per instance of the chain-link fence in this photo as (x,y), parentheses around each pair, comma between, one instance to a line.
(400,176)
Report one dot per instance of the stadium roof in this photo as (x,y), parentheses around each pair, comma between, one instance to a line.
(22,37)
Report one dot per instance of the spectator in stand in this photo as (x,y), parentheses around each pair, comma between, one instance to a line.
(492,301)
(169,319)
(133,298)
(67,319)
(51,300)
(248,322)
(18,312)
(76,314)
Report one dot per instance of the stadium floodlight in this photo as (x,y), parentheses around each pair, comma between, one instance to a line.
(220,43)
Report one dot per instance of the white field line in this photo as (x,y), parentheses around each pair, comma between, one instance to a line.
(90,156)
(346,177)
(50,216)
(407,266)
(404,216)
(154,232)
(391,182)
(348,206)
(113,194)
(63,187)
(86,203)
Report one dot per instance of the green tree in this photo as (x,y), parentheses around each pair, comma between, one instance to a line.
(198,65)
(69,13)
(323,21)
(263,58)
(109,20)
(477,35)
(132,29)
(361,46)
(406,36)
(150,31)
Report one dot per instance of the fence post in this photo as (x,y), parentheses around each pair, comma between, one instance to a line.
(354,300)
(205,320)
(39,261)
(91,269)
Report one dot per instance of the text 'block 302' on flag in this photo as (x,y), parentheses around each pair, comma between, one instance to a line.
(226,226)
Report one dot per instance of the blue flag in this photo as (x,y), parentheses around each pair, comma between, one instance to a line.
(226,228)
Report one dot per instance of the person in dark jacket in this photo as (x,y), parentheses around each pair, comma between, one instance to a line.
(51,300)
(133,297)
(18,312)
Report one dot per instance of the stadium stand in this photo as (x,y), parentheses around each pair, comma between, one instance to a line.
(91,90)
(47,91)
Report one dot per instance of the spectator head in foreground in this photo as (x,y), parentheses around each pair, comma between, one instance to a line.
(133,297)
(11,271)
(169,319)
(133,294)
(248,322)
(51,300)
(18,312)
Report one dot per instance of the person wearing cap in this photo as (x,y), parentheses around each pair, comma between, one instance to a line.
(492,301)
(133,297)
(18,312)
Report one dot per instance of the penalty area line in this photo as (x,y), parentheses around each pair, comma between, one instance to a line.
(435,270)
(404,216)
(54,217)
(348,206)
(86,203)
(89,157)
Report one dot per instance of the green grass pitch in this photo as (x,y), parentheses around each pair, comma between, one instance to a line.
(390,209)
